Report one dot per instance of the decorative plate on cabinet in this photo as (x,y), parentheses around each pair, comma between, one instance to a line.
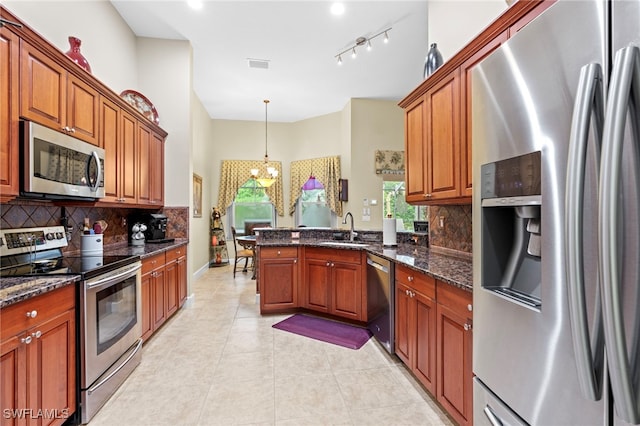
(142,104)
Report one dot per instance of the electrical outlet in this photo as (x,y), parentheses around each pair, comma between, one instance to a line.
(124,222)
(441,220)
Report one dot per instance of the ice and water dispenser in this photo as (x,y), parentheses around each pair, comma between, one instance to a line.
(511,228)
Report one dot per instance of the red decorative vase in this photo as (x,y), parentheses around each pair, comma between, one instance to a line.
(75,55)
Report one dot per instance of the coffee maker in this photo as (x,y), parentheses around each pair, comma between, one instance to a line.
(156,224)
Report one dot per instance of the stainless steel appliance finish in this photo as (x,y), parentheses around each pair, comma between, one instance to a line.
(381,300)
(110,330)
(58,166)
(556,292)
(109,313)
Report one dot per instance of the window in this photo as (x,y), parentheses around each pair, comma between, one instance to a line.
(394,203)
(313,209)
(251,204)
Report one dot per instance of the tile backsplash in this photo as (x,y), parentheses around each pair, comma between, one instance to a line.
(456,232)
(26,214)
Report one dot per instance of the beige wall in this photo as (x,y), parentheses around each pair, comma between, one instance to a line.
(108,43)
(202,153)
(375,125)
(354,134)
(452,24)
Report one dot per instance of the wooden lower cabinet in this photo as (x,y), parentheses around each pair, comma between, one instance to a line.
(38,359)
(454,378)
(164,288)
(333,282)
(278,279)
(415,324)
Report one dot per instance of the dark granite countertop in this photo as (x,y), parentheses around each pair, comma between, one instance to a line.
(17,289)
(443,265)
(145,251)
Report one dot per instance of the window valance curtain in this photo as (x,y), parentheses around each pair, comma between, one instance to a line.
(326,170)
(389,162)
(235,173)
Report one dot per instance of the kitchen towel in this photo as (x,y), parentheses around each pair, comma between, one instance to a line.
(389,232)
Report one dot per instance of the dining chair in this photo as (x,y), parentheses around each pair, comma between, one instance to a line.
(241,254)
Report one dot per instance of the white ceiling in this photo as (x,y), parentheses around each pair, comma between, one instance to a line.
(300,39)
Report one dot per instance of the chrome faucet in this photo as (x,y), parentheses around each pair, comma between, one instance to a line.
(344,222)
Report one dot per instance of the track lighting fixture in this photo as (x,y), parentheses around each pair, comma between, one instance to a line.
(362,41)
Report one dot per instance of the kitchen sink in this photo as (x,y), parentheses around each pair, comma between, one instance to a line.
(343,244)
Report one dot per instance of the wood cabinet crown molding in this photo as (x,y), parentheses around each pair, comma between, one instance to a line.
(502,23)
(29,35)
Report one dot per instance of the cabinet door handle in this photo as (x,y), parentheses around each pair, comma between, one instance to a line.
(295,260)
(278,252)
(427,195)
(32,314)
(406,292)
(328,263)
(410,278)
(470,307)
(26,340)
(37,334)
(467,327)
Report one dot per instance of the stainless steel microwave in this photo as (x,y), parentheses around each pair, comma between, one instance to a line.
(55,165)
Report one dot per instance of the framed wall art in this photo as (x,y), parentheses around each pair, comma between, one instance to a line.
(197,195)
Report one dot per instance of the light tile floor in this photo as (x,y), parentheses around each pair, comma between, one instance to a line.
(218,362)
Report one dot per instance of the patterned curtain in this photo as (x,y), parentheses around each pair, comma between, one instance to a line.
(235,173)
(389,162)
(326,170)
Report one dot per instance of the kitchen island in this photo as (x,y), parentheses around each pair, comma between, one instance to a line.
(316,271)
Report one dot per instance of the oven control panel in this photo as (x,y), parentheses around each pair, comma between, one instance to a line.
(25,240)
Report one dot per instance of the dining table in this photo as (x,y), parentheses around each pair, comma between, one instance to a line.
(248,242)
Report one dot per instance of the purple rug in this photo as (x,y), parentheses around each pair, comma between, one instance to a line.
(346,335)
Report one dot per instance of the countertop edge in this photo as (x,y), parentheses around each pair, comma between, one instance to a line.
(432,262)
(17,289)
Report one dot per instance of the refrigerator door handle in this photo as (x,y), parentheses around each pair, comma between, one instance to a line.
(624,96)
(491,416)
(589,355)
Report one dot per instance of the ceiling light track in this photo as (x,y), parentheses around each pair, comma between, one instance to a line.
(362,41)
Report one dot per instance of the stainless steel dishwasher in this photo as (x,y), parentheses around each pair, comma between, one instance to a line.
(381,300)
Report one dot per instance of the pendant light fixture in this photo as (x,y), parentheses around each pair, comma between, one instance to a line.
(272,173)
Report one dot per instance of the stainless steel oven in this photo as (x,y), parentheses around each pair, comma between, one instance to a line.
(109,310)
(110,330)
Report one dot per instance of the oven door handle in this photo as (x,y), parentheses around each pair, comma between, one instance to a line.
(114,278)
(92,389)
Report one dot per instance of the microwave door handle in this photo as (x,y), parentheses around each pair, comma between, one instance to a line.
(588,103)
(624,96)
(95,156)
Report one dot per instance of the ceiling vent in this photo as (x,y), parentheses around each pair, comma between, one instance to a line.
(258,63)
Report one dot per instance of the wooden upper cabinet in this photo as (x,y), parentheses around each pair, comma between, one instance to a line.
(54,98)
(9,144)
(118,135)
(128,158)
(156,158)
(144,161)
(466,174)
(415,149)
(443,138)
(82,111)
(438,118)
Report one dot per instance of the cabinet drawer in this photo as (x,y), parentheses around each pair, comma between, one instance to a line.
(420,282)
(154,262)
(48,305)
(456,299)
(278,252)
(342,255)
(176,253)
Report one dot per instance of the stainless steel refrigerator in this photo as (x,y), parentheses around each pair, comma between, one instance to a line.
(556,240)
